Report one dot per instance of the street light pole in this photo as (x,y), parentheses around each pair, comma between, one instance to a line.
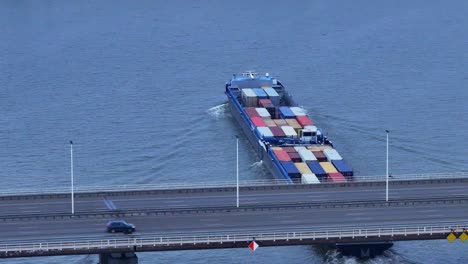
(237,170)
(71,176)
(386,192)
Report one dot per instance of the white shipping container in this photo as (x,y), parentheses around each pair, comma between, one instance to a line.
(309,178)
(297,111)
(332,154)
(265,131)
(249,97)
(299,148)
(289,131)
(307,155)
(273,96)
(263,112)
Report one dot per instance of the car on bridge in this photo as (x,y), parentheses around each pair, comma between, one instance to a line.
(120,226)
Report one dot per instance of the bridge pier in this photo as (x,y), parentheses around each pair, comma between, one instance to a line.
(118,258)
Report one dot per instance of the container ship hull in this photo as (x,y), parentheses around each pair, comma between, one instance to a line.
(287,142)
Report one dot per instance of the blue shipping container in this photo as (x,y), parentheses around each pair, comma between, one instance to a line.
(291,169)
(286,113)
(342,167)
(315,167)
(260,93)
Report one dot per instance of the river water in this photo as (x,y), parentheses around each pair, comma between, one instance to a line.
(139,88)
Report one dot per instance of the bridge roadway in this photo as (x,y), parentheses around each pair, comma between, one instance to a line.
(171,199)
(436,202)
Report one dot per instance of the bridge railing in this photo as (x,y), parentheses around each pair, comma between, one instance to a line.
(162,241)
(166,186)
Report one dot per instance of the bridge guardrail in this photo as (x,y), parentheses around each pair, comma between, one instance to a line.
(385,232)
(224,184)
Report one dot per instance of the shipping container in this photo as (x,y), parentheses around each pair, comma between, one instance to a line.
(299,148)
(280,122)
(295,156)
(332,154)
(276,148)
(289,149)
(251,111)
(304,121)
(309,179)
(302,167)
(277,132)
(263,112)
(324,147)
(269,122)
(316,169)
(260,93)
(249,98)
(297,111)
(342,167)
(291,169)
(336,177)
(328,167)
(306,155)
(265,132)
(294,124)
(263,102)
(258,121)
(320,156)
(289,131)
(286,113)
(314,148)
(272,95)
(282,155)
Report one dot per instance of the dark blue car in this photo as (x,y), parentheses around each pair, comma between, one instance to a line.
(120,226)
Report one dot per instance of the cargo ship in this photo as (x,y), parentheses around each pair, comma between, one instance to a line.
(283,135)
(288,142)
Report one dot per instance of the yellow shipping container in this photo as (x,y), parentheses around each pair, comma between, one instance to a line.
(280,122)
(276,148)
(314,148)
(292,122)
(328,167)
(303,168)
(269,122)
(325,147)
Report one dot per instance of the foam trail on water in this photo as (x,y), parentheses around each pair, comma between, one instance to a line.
(256,165)
(218,111)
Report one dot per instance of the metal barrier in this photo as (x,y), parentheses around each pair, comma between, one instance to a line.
(164,241)
(197,185)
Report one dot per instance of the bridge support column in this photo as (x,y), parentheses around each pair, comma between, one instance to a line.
(118,258)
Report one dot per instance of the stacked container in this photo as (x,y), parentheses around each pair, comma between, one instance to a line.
(342,167)
(304,121)
(280,122)
(294,156)
(332,154)
(289,131)
(286,113)
(270,123)
(302,167)
(249,97)
(336,177)
(251,111)
(265,132)
(268,105)
(291,169)
(309,179)
(258,121)
(260,93)
(297,111)
(294,124)
(328,167)
(316,169)
(277,132)
(262,112)
(282,155)
(306,155)
(320,156)
(273,96)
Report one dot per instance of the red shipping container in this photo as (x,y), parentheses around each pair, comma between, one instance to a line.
(320,156)
(277,132)
(251,111)
(263,102)
(258,121)
(336,177)
(282,155)
(295,156)
(288,149)
(304,121)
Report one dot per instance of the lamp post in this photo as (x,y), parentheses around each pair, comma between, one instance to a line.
(71,176)
(237,171)
(386,188)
